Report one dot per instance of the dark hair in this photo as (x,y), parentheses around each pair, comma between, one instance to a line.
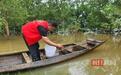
(53,23)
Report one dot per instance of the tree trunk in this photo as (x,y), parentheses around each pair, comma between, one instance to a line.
(6,27)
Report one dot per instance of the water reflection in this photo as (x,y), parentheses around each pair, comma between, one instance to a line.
(79,68)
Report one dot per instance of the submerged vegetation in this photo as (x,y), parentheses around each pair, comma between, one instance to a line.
(102,16)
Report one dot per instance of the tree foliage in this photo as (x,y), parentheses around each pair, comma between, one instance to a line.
(72,14)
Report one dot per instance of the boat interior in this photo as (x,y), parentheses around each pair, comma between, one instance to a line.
(24,57)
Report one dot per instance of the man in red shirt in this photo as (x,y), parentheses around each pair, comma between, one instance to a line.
(35,31)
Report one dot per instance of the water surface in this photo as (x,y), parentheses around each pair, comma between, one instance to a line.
(110,52)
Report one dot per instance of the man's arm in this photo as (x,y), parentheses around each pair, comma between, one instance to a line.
(49,42)
(43,32)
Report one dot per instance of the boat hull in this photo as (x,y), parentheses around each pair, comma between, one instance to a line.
(18,65)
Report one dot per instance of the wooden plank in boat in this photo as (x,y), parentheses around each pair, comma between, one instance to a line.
(42,56)
(74,48)
(27,58)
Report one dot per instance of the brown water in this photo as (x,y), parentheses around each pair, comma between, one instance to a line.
(110,52)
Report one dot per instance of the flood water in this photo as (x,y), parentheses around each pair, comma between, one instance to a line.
(110,52)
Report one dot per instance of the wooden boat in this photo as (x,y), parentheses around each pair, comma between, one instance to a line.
(22,60)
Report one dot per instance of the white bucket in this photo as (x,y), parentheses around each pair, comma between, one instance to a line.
(50,51)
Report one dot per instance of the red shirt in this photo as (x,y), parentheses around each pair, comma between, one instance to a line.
(31,33)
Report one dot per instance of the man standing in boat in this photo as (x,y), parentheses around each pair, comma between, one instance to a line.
(35,31)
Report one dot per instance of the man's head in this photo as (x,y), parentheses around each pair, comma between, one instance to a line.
(52,25)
